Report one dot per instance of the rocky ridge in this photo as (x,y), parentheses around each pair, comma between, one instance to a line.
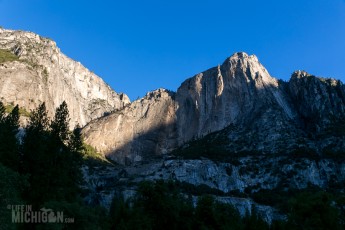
(239,183)
(42,73)
(254,112)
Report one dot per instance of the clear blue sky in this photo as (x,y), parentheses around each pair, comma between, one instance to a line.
(138,46)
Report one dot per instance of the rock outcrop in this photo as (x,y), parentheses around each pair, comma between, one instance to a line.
(144,128)
(43,74)
(238,183)
(239,92)
(319,101)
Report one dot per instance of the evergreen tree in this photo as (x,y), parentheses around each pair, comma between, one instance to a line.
(66,157)
(36,156)
(9,154)
(59,125)
(39,120)
(205,213)
(313,211)
(2,111)
(76,142)
(12,120)
(53,166)
(12,185)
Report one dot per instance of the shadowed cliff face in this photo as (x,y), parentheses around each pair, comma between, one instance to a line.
(319,101)
(42,73)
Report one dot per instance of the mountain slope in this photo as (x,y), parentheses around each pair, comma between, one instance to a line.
(256,112)
(41,73)
(240,92)
(144,128)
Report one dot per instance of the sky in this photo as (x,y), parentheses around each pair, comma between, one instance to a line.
(139,46)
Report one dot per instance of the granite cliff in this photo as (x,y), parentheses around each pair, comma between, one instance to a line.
(238,104)
(144,128)
(42,73)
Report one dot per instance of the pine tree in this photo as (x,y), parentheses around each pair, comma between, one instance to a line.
(59,125)
(65,157)
(39,120)
(2,111)
(37,155)
(76,142)
(12,119)
(9,146)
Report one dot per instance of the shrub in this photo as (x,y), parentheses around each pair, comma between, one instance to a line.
(7,56)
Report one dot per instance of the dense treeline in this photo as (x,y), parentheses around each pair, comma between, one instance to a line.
(40,166)
(160,205)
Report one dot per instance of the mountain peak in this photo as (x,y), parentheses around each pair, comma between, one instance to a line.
(243,56)
(300,74)
(159,93)
(240,55)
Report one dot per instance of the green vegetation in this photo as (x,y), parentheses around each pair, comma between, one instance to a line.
(7,56)
(33,65)
(310,208)
(313,211)
(92,157)
(9,147)
(212,146)
(22,111)
(43,170)
(12,186)
(99,102)
(160,205)
(197,190)
(47,155)
(336,128)
(45,74)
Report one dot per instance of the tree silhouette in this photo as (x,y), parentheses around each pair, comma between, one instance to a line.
(37,156)
(59,126)
(9,146)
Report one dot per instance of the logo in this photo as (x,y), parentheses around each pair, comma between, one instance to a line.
(25,214)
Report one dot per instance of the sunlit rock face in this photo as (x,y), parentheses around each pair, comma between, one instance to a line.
(254,112)
(144,128)
(237,92)
(44,74)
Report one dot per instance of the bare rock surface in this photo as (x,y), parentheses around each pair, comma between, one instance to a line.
(252,111)
(42,73)
(146,127)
